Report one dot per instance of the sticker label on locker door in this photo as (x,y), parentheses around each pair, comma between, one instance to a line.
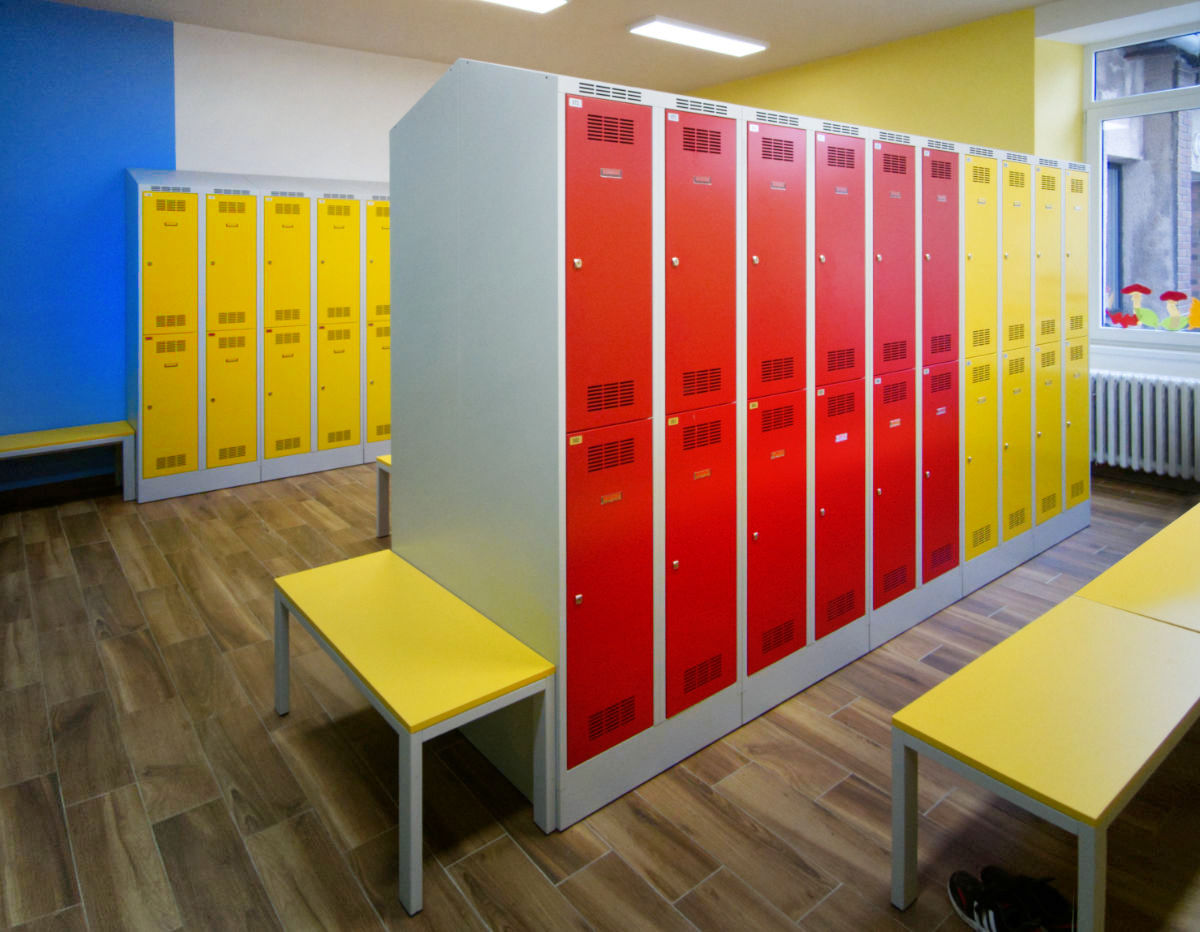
(778,185)
(672,117)
(574,102)
(841,190)
(753,127)
(611,173)
(702,179)
(841,438)
(610,498)
(575,441)
(895,422)
(702,474)
(778,454)
(941,410)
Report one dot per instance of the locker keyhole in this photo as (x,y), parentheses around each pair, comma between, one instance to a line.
(579,599)
(675,564)
(754,536)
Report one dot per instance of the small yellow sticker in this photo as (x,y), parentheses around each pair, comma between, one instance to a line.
(575,441)
(610,498)
(702,474)
(753,405)
(672,421)
(777,454)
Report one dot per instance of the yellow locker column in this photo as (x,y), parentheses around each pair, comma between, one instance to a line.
(287,293)
(1076,444)
(287,377)
(1015,255)
(339,409)
(379,321)
(980,241)
(1075,254)
(231,385)
(982,464)
(1047,431)
(1047,261)
(1015,415)
(170,428)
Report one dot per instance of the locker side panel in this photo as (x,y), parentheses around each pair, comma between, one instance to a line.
(231,262)
(287,251)
(1016,270)
(1075,441)
(939,265)
(894,524)
(841,511)
(982,459)
(701,192)
(609,258)
(775,273)
(379,380)
(1047,436)
(1047,260)
(379,260)
(286,391)
(170,239)
(981,203)
(893,235)
(338,411)
(840,301)
(1016,415)
(701,551)
(231,383)
(170,427)
(610,588)
(939,455)
(776,466)
(1075,254)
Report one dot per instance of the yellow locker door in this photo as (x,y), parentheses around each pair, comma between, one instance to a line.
(980,237)
(379,381)
(1015,277)
(379,260)
(170,238)
(231,385)
(287,249)
(337,261)
(287,387)
(982,466)
(1075,254)
(1047,221)
(1015,463)
(338,405)
(1048,431)
(1076,444)
(230,262)
(170,420)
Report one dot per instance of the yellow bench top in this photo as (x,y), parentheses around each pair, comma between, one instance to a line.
(60,436)
(385,460)
(423,652)
(1074,709)
(1157,579)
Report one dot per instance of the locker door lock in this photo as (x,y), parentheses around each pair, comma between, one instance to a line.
(579,600)
(1006,255)
(754,536)
(578,263)
(675,260)
(821,257)
(1068,423)
(970,256)
(674,564)
(970,459)
(926,473)
(754,259)
(1039,255)
(879,491)
(927,257)
(371,382)
(1039,434)
(1006,444)
(822,512)
(878,257)
(1068,254)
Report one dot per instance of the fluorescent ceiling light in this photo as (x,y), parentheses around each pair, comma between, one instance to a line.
(532,6)
(672,30)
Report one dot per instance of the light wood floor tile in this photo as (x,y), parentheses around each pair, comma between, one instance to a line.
(88,747)
(49,559)
(72,919)
(456,823)
(36,873)
(25,748)
(171,534)
(58,603)
(136,673)
(329,685)
(146,569)
(725,902)
(12,555)
(715,762)
(612,897)
(170,615)
(70,663)
(203,676)
(40,524)
(14,598)
(168,760)
(113,609)
(19,664)
(126,532)
(845,911)
(809,771)
(95,562)
(231,624)
(254,667)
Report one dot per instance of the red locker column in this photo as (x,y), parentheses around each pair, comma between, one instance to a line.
(701,555)
(701,191)
(776,526)
(939,264)
(840,308)
(610,588)
(894,231)
(894,529)
(939,465)
(775,270)
(841,515)
(609,258)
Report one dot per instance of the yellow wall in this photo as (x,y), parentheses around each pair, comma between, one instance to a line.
(1058,108)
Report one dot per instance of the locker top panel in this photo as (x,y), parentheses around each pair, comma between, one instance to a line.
(191,182)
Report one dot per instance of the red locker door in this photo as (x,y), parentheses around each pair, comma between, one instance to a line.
(841,514)
(775,270)
(610,588)
(776,527)
(894,529)
(609,257)
(701,555)
(701,192)
(939,465)
(894,232)
(840,227)
(939,265)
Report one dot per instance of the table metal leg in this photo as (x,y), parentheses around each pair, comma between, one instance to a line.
(904,822)
(282,686)
(544,772)
(383,503)
(1093,868)
(410,828)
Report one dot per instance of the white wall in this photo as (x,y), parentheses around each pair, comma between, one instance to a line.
(253,104)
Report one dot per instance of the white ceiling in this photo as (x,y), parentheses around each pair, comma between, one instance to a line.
(587,38)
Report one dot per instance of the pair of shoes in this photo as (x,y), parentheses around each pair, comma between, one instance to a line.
(1001,902)
(982,909)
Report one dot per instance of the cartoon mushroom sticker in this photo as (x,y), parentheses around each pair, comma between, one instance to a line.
(1135,292)
(1172,297)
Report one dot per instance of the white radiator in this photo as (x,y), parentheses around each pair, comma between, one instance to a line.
(1146,422)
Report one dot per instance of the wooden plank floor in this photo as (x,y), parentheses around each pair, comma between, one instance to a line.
(145,782)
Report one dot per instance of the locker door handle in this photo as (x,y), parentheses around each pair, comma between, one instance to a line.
(754,536)
(878,257)
(578,263)
(927,257)
(1039,435)
(1068,255)
(579,600)
(1006,255)
(1006,444)
(822,512)
(970,256)
(926,473)
(970,459)
(675,261)
(1039,255)
(675,564)
(821,257)
(879,491)
(754,259)
(1068,423)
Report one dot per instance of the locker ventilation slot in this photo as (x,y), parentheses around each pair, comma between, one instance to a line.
(706,434)
(383,210)
(165,187)
(1076,353)
(939,343)
(171,462)
(337,210)
(702,673)
(333,336)
(895,349)
(617,715)
(982,373)
(981,174)
(231,207)
(1076,322)
(170,346)
(1050,502)
(836,607)
(941,382)
(383,310)
(383,430)
(895,137)
(940,144)
(170,204)
(781,150)
(282,338)
(337,436)
(170,320)
(895,392)
(1016,179)
(981,535)
(602,128)
(836,405)
(844,128)
(606,395)
(777,370)
(610,454)
(231,453)
(941,169)
(895,578)
(895,164)
(1048,359)
(383,331)
(281,208)
(981,337)
(1047,327)
(701,381)
(1048,163)
(238,342)
(1076,185)
(287,313)
(231,317)
(1016,333)
(609,91)
(287,194)
(342,311)
(780,119)
(979,150)
(1077,489)
(779,635)
(334,195)
(839,157)
(1016,157)
(1077,166)
(288,443)
(701,106)
(1049,183)
(778,418)
(1016,518)
(696,139)
(840,359)
(943,555)
(1016,366)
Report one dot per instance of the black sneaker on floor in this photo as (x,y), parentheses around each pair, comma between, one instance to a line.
(1035,900)
(982,909)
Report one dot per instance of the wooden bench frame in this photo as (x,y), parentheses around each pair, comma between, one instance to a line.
(114,433)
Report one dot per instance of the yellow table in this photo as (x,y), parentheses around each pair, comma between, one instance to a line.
(1157,579)
(112,433)
(428,663)
(1067,718)
(383,495)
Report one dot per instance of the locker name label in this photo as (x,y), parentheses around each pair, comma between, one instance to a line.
(702,474)
(841,438)
(941,410)
(941,198)
(778,454)
(672,421)
(778,185)
(895,422)
(840,190)
(701,179)
(575,441)
(610,173)
(610,498)
(574,102)
(672,117)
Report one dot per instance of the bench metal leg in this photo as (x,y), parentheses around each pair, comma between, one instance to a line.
(383,496)
(1093,867)
(128,464)
(904,822)
(410,823)
(282,686)
(544,773)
